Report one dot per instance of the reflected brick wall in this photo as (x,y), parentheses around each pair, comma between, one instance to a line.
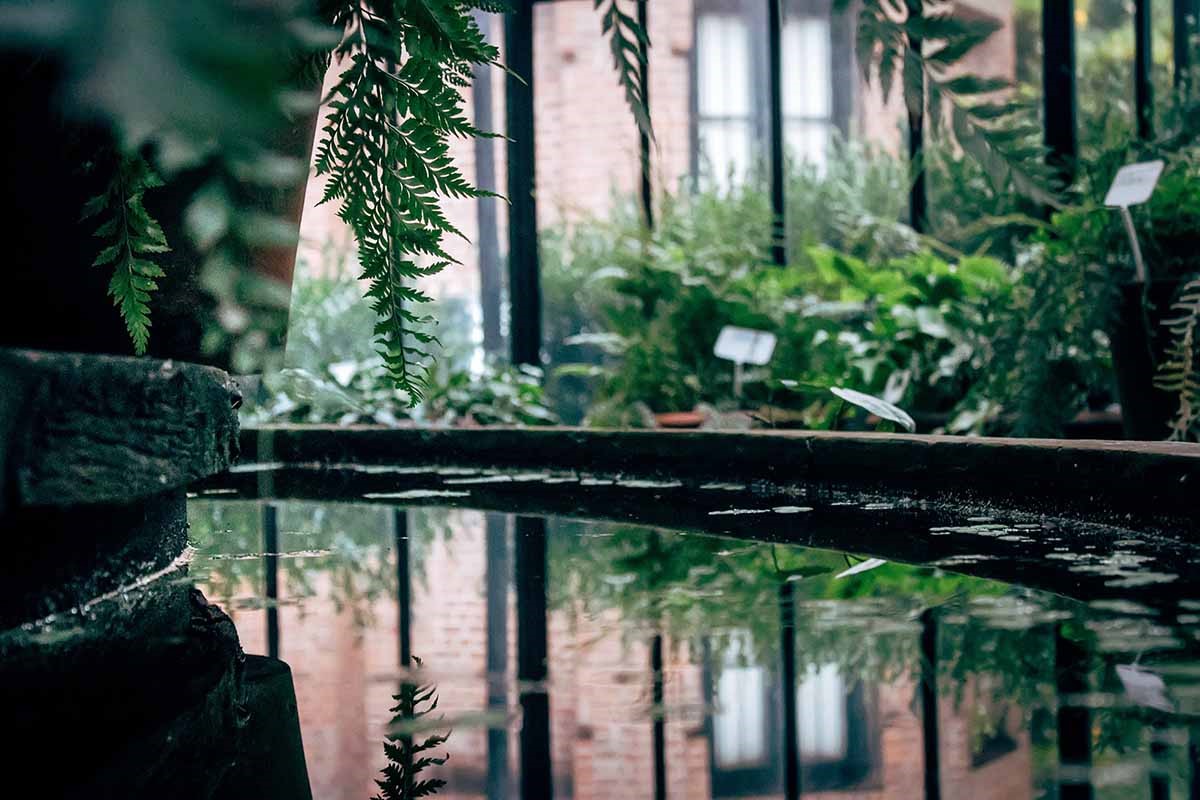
(344,657)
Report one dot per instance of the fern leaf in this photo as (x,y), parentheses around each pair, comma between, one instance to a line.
(385,153)
(628,43)
(400,779)
(129,233)
(1180,371)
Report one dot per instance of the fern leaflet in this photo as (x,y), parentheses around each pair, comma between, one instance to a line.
(1180,371)
(407,758)
(385,152)
(628,43)
(129,235)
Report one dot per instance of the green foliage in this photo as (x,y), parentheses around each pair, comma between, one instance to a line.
(334,376)
(1180,371)
(408,758)
(894,320)
(385,151)
(628,43)
(921,42)
(130,237)
(1053,350)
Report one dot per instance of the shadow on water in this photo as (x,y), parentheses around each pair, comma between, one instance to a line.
(581,659)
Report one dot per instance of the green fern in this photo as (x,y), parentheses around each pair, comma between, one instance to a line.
(407,759)
(386,155)
(1002,134)
(129,235)
(1180,371)
(628,42)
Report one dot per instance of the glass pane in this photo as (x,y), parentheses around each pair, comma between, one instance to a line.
(807,89)
(723,65)
(821,709)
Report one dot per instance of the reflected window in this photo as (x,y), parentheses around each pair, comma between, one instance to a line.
(732,84)
(746,727)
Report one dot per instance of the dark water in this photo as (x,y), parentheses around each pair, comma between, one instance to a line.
(691,665)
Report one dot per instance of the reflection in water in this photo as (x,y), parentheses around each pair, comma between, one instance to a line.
(605,661)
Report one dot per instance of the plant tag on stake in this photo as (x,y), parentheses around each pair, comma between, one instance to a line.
(1133,186)
(743,346)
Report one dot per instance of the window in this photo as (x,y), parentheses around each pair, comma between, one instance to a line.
(730,108)
(746,727)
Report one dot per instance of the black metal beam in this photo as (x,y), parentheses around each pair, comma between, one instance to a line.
(524,280)
(660,719)
(1058,87)
(403,586)
(1186,13)
(532,671)
(270,544)
(788,679)
(918,203)
(497,581)
(929,705)
(647,186)
(1071,667)
(1143,65)
(775,133)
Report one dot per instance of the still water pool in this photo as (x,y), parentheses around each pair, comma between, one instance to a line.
(608,659)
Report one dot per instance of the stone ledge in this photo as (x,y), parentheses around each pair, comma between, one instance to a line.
(85,429)
(1140,480)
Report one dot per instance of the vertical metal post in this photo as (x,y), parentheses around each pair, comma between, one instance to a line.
(929,705)
(787,653)
(532,671)
(524,280)
(775,122)
(1143,64)
(490,289)
(660,720)
(403,586)
(1074,719)
(918,202)
(1184,22)
(1058,87)
(643,138)
(270,544)
(496,548)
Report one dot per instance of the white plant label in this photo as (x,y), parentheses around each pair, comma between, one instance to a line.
(1134,184)
(744,345)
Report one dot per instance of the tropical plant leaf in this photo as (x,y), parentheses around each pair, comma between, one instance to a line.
(1180,371)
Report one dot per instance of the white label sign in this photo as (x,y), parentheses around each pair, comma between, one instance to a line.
(1134,184)
(744,345)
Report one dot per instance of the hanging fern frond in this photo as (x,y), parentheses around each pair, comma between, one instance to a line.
(980,114)
(408,758)
(385,152)
(1180,371)
(129,236)
(628,43)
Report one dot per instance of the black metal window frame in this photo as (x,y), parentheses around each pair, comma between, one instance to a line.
(857,771)
(842,76)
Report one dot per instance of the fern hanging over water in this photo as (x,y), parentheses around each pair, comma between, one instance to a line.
(407,757)
(129,238)
(1180,370)
(385,151)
